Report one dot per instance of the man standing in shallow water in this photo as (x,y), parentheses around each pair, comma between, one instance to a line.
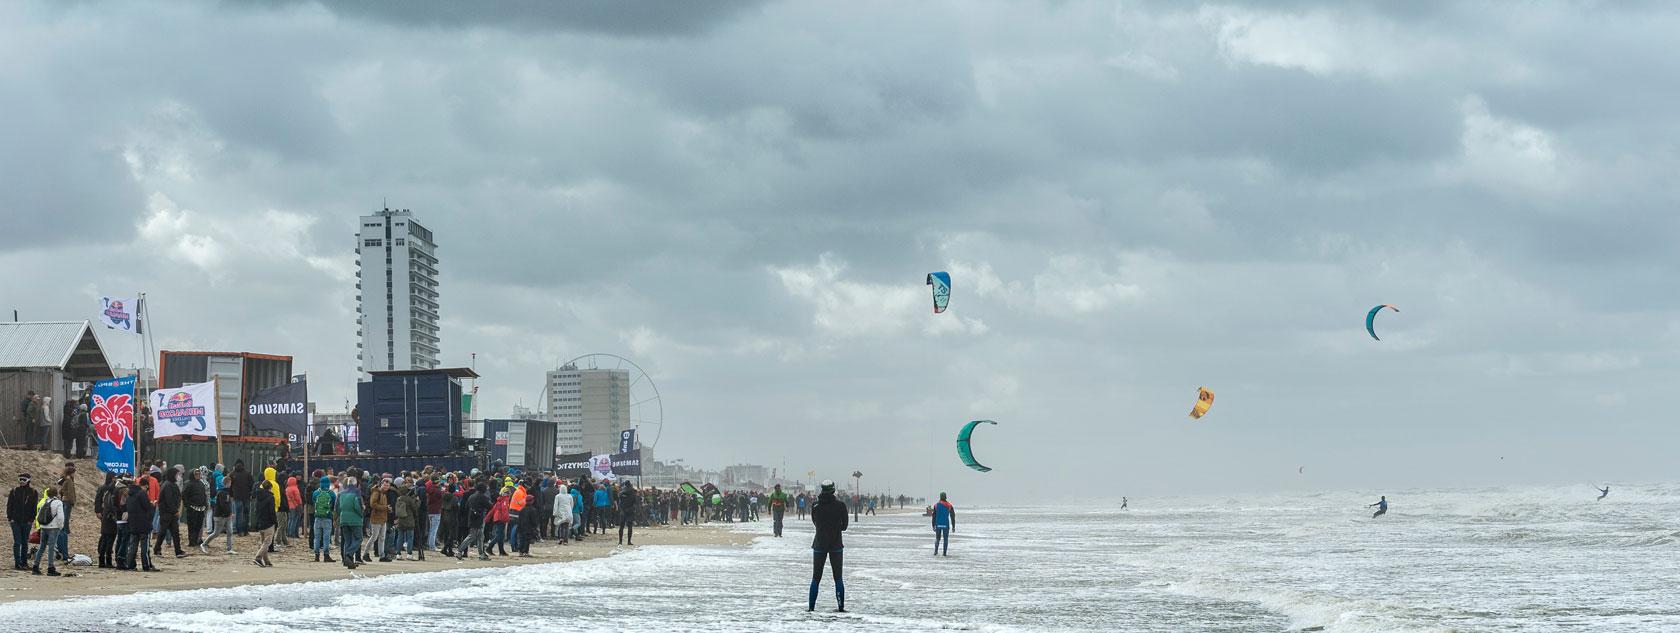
(944,521)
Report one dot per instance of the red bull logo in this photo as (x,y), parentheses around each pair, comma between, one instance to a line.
(178,408)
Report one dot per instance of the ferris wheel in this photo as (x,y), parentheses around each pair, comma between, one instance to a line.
(647,411)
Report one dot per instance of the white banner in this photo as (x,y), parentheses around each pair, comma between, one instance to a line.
(120,313)
(189,410)
(601,467)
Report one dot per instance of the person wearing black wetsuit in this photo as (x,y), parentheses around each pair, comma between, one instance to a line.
(829,516)
(1604,492)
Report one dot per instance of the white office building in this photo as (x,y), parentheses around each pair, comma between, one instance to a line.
(396,285)
(589,407)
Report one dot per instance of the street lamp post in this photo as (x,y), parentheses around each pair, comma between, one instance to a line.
(857,494)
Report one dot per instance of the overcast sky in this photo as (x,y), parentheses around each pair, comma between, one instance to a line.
(1133,199)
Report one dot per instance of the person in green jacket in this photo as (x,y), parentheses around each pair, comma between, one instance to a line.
(350,522)
(778,507)
(322,501)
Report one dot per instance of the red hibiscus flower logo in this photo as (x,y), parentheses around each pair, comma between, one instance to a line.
(113,419)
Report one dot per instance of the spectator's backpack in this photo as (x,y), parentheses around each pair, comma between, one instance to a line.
(323,503)
(46,514)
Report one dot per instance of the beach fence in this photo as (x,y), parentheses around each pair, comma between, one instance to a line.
(256,452)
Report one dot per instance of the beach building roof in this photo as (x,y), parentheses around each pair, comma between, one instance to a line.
(68,346)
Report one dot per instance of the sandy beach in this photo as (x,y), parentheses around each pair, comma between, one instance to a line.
(293,564)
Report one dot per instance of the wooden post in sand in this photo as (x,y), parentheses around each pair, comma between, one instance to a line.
(216,395)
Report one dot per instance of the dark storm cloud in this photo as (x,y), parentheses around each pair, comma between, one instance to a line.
(642,19)
(1135,199)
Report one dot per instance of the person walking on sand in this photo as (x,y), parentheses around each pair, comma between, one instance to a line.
(321,507)
(51,519)
(478,511)
(944,522)
(829,517)
(1381,505)
(629,503)
(778,507)
(264,521)
(221,520)
(139,513)
(20,512)
(349,523)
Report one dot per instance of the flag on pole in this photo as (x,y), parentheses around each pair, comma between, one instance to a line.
(121,314)
(189,410)
(112,414)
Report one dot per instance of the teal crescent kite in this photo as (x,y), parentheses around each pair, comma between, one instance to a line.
(1371,319)
(963,449)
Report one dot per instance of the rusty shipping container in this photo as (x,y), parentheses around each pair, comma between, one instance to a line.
(239,376)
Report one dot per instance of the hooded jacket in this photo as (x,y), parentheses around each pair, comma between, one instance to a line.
(408,508)
(379,508)
(193,495)
(563,505)
(829,515)
(262,511)
(294,496)
(322,501)
(169,499)
(350,508)
(242,483)
(499,511)
(139,514)
(478,508)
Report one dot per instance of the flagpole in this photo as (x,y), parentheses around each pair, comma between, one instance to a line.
(307,418)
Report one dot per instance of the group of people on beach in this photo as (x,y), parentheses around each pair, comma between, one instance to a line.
(352,517)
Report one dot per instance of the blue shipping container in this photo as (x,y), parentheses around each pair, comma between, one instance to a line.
(409,412)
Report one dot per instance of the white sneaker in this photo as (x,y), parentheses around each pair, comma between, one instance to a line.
(203,549)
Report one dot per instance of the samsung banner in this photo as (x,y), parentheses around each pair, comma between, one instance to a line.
(189,410)
(628,464)
(112,415)
(283,409)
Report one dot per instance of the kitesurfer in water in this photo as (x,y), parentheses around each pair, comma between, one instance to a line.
(1123,503)
(829,516)
(1381,505)
(944,521)
(1604,492)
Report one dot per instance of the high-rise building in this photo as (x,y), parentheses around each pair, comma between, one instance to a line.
(589,408)
(396,285)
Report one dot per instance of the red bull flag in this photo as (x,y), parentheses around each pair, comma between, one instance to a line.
(188,410)
(120,313)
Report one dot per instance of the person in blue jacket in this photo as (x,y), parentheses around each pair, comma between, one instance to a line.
(944,521)
(603,502)
(577,512)
(1381,505)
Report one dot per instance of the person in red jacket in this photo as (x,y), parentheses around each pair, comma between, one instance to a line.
(434,512)
(499,519)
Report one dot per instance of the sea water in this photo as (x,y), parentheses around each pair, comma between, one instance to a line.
(1508,559)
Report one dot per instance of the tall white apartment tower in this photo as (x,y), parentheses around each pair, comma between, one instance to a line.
(396,285)
(589,407)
